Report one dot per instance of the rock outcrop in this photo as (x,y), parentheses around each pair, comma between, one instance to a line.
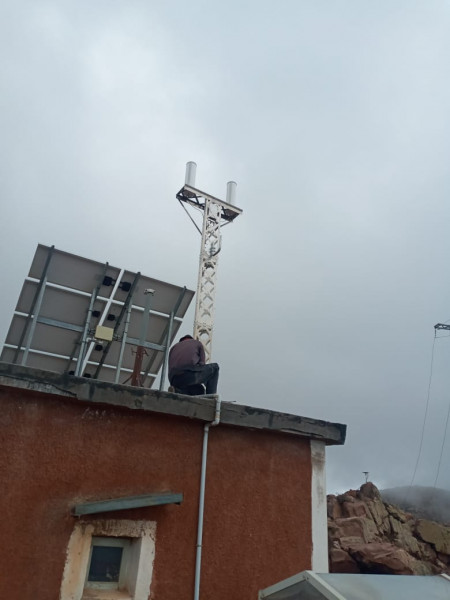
(367,535)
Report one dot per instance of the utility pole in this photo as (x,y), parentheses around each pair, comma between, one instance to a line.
(216,214)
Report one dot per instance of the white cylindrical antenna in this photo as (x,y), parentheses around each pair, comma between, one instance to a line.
(231,192)
(191,168)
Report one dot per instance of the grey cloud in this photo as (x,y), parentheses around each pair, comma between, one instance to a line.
(333,118)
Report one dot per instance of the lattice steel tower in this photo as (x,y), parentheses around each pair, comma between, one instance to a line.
(216,214)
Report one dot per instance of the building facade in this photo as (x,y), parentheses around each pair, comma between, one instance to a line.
(102,487)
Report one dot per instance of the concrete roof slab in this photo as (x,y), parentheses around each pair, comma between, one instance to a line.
(194,407)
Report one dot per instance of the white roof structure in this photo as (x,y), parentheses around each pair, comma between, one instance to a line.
(344,586)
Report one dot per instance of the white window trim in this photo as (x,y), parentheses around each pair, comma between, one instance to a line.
(140,564)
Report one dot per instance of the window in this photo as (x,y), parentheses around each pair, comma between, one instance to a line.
(107,560)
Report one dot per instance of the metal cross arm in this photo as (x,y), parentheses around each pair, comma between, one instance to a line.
(198,199)
(442,326)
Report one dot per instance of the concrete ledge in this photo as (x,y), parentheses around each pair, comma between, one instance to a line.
(193,407)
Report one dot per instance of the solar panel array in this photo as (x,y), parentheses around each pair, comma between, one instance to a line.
(87,318)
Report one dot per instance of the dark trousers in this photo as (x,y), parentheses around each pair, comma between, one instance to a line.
(183,379)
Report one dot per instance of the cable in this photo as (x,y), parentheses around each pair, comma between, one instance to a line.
(443,444)
(426,411)
(187,212)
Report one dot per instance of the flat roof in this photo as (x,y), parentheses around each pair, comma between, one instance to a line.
(95,391)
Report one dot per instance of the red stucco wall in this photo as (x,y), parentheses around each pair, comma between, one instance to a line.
(56,452)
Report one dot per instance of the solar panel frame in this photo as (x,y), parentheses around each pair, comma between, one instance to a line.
(65,296)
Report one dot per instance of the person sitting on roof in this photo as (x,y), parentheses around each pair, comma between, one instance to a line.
(187,368)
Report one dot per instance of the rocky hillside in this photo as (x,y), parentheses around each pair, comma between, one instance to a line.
(368,535)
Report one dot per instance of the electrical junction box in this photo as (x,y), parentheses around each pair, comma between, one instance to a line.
(104,333)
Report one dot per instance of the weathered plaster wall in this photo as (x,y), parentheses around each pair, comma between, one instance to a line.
(258,512)
(56,452)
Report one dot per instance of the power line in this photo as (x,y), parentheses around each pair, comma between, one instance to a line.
(426,411)
(443,444)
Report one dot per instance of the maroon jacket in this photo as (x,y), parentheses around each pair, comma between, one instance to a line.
(185,355)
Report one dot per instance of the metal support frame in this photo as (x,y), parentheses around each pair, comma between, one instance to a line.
(166,352)
(60,324)
(39,293)
(70,350)
(82,339)
(36,310)
(148,345)
(136,375)
(102,320)
(146,315)
(207,276)
(136,378)
(123,343)
(123,311)
(167,336)
(216,213)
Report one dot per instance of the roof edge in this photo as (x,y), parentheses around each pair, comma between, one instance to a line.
(194,407)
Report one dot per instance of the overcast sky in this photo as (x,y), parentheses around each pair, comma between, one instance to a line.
(332,116)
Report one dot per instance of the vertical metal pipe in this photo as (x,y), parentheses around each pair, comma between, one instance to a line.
(123,343)
(146,315)
(136,377)
(166,351)
(33,303)
(201,502)
(84,336)
(37,309)
(164,336)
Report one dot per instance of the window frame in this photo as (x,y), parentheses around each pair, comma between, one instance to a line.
(141,535)
(109,542)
